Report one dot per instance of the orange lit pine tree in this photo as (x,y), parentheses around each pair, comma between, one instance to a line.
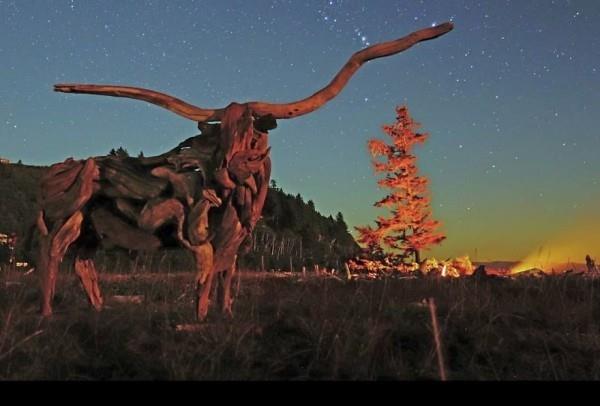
(410,228)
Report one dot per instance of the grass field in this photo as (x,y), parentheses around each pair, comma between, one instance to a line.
(294,328)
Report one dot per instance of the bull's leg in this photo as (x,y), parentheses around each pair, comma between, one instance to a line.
(227,299)
(52,251)
(48,265)
(86,270)
(204,277)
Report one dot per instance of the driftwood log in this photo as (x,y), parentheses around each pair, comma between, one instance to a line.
(206,195)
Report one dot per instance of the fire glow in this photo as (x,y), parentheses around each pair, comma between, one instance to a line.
(566,250)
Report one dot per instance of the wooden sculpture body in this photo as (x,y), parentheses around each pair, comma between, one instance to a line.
(205,195)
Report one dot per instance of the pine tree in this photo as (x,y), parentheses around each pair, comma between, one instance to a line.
(409,228)
(122,153)
(339,218)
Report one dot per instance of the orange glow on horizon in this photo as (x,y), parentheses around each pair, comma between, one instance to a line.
(568,249)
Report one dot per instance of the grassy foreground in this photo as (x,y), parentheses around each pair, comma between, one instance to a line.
(312,328)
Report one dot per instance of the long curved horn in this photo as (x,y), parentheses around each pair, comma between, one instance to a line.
(317,100)
(278,111)
(164,100)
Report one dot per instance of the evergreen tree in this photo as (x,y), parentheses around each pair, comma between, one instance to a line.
(341,223)
(410,228)
(122,153)
(119,152)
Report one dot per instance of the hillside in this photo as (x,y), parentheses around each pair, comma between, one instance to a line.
(18,190)
(290,229)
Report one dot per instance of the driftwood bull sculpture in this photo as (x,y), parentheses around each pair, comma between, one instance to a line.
(205,195)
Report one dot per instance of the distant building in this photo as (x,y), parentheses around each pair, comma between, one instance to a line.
(4,161)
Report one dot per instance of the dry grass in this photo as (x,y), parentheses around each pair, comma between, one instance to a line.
(313,328)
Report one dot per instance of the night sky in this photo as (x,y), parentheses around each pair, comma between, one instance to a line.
(510,97)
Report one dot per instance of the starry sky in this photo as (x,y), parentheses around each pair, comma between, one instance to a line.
(510,97)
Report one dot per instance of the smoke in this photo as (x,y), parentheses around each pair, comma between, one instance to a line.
(568,246)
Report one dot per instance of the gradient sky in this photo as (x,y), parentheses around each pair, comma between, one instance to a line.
(511,99)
